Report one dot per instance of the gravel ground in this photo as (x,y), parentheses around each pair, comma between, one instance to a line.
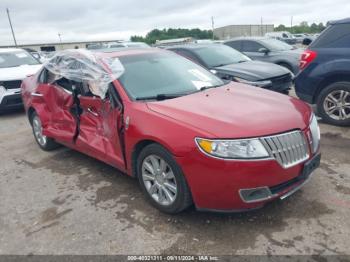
(64,202)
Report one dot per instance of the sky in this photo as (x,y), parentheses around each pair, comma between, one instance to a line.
(39,21)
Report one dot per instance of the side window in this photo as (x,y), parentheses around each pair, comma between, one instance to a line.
(284,35)
(336,36)
(235,44)
(46,77)
(251,46)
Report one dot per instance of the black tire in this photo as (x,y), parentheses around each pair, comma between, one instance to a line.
(50,143)
(183,198)
(338,86)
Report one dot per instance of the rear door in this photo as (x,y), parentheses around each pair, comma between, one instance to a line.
(54,104)
(100,128)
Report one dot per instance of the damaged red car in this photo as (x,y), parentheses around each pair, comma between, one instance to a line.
(187,136)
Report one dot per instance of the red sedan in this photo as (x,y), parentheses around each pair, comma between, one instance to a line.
(187,136)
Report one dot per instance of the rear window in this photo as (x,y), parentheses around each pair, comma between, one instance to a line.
(335,36)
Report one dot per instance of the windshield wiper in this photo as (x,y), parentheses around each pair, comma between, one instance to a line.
(160,97)
(208,87)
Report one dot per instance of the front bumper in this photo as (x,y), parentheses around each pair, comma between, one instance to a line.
(11,99)
(216,184)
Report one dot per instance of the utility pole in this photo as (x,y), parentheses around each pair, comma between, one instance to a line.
(212,25)
(59,36)
(291,25)
(261,27)
(13,33)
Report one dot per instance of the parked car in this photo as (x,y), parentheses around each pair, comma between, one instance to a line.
(325,76)
(128,45)
(268,50)
(15,65)
(232,65)
(181,131)
(284,36)
(299,37)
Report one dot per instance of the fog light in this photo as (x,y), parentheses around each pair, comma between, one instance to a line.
(255,194)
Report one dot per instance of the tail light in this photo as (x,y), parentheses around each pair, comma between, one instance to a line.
(306,58)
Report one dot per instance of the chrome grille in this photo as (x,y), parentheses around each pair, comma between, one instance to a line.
(288,149)
(14,84)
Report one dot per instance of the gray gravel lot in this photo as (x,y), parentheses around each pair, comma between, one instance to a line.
(64,202)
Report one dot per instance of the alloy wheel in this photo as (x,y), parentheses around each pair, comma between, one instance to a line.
(38,131)
(159,180)
(337,105)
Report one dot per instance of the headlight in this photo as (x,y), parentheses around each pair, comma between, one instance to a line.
(233,149)
(315,134)
(253,83)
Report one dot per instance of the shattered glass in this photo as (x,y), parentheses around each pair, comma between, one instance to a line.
(85,66)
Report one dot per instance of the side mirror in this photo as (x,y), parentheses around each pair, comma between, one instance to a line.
(307,41)
(264,50)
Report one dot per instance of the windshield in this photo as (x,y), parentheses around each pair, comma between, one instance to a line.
(13,59)
(276,45)
(152,74)
(220,55)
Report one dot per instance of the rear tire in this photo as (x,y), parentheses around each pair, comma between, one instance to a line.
(44,142)
(333,104)
(162,181)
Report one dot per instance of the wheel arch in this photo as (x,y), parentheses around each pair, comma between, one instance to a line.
(338,77)
(30,112)
(137,150)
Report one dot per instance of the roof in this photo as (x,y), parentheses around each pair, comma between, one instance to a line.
(7,50)
(118,52)
(342,21)
(247,38)
(191,46)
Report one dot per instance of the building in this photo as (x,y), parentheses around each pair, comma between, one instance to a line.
(231,31)
(64,45)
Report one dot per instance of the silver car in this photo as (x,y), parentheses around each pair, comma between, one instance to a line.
(268,50)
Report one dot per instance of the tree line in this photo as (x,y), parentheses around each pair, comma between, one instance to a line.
(303,27)
(172,33)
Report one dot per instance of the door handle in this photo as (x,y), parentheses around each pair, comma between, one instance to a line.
(37,94)
(91,111)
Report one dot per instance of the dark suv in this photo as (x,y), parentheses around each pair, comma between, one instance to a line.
(325,76)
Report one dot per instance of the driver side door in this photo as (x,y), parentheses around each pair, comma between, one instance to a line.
(100,129)
(251,49)
(54,105)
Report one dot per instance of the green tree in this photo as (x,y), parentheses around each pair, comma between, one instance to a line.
(171,33)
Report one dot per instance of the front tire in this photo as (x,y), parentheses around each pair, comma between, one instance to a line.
(45,143)
(333,104)
(162,181)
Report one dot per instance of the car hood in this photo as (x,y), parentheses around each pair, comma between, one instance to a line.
(18,72)
(236,111)
(253,70)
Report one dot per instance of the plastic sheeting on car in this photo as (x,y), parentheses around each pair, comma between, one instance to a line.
(83,65)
